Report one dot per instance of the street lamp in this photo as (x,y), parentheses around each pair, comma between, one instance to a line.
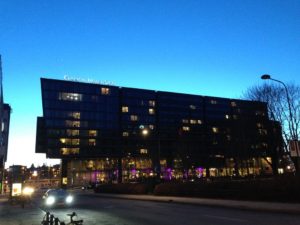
(268,77)
(145,133)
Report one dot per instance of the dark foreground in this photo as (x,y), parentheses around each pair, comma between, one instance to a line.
(95,210)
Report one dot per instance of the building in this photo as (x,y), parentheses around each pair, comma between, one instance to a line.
(4,130)
(114,134)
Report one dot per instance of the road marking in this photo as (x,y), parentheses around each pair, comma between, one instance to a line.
(225,218)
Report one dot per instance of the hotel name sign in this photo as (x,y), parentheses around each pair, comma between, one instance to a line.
(88,80)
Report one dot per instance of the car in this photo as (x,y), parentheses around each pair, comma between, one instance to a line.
(57,197)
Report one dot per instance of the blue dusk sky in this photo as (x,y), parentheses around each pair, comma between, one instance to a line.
(214,48)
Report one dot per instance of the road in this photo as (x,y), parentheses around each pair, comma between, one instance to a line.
(96,210)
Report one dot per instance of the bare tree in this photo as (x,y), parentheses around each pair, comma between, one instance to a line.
(278,106)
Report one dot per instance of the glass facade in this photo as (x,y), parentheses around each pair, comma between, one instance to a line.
(113,134)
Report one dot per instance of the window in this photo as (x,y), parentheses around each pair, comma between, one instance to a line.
(193,121)
(143,151)
(125,109)
(70,123)
(74,115)
(259,125)
(151,127)
(215,130)
(233,104)
(193,107)
(125,134)
(185,128)
(152,103)
(69,96)
(151,111)
(105,91)
(213,102)
(185,121)
(69,151)
(227,116)
(199,121)
(72,132)
(92,133)
(92,142)
(134,118)
(235,117)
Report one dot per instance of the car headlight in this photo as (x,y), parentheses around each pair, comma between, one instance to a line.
(69,199)
(50,200)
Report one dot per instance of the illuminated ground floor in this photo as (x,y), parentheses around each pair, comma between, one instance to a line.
(130,169)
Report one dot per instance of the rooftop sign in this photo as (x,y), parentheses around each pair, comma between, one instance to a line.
(88,80)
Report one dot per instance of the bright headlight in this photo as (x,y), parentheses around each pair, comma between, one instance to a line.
(69,199)
(50,200)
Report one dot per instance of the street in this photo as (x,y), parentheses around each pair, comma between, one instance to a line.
(108,211)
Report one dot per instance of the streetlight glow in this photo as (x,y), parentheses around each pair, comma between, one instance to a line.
(145,132)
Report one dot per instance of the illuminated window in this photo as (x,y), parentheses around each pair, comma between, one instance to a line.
(152,103)
(151,111)
(227,116)
(185,121)
(228,137)
(134,118)
(259,125)
(125,134)
(125,109)
(213,102)
(151,127)
(143,151)
(105,91)
(193,107)
(75,115)
(233,104)
(199,121)
(75,141)
(69,96)
(62,140)
(72,132)
(70,123)
(92,133)
(215,130)
(69,151)
(185,128)
(193,121)
(92,142)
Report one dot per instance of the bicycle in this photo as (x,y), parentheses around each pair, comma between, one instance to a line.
(49,219)
(73,222)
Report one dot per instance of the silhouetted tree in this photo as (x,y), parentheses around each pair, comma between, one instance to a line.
(278,108)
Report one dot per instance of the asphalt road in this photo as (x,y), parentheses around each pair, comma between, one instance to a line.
(106,211)
(95,210)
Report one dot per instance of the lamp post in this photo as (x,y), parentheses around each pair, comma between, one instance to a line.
(156,159)
(293,135)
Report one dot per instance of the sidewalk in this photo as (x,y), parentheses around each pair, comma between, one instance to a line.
(243,205)
(14,214)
